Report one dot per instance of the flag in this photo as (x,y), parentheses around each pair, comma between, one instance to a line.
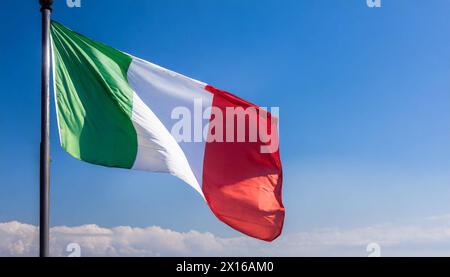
(116,110)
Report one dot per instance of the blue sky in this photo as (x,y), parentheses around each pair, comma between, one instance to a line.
(364,97)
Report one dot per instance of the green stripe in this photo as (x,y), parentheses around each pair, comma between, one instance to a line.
(94,99)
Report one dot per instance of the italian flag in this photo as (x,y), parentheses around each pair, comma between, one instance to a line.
(117,110)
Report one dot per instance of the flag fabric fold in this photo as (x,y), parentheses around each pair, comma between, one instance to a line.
(117,110)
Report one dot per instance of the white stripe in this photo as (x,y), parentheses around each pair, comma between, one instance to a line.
(157,149)
(157,92)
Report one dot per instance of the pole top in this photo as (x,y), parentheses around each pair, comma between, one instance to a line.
(46,4)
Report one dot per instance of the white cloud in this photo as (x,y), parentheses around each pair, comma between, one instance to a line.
(430,237)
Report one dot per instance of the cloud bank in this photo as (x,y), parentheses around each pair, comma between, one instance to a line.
(429,237)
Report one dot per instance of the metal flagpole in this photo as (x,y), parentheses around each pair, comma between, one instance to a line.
(46,9)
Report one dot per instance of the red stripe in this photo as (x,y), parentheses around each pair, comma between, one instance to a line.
(243,186)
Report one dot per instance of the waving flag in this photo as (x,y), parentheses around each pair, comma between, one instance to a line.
(117,110)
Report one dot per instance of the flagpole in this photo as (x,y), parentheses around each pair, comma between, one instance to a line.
(44,201)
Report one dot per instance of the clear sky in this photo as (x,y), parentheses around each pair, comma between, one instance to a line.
(364,97)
